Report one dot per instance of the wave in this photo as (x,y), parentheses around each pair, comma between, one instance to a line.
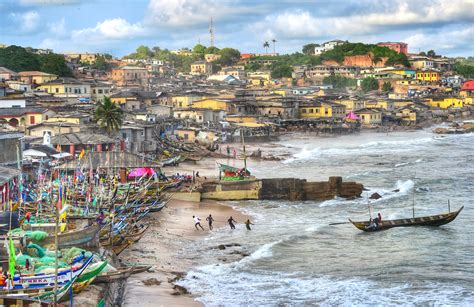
(215,287)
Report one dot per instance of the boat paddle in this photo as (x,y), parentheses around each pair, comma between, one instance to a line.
(339,223)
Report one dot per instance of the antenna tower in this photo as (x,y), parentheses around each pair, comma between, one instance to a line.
(211,32)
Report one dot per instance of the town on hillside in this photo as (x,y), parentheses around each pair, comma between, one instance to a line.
(154,101)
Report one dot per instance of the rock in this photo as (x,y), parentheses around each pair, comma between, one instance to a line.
(221,247)
(180,289)
(375,196)
(151,282)
(396,190)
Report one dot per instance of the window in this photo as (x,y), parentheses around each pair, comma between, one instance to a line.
(57,90)
(124,135)
(303,110)
(363,117)
(200,117)
(326,112)
(311,110)
(32,120)
(100,91)
(186,136)
(93,91)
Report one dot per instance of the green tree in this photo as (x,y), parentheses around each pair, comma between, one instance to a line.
(18,59)
(108,115)
(55,64)
(431,53)
(282,71)
(266,45)
(339,82)
(422,53)
(387,87)
(100,63)
(212,50)
(229,56)
(369,84)
(467,71)
(199,49)
(143,52)
(309,48)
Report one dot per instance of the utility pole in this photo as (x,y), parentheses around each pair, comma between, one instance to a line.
(211,32)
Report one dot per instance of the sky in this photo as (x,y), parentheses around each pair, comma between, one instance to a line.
(119,26)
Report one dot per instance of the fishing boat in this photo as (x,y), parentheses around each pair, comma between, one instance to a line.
(45,280)
(74,238)
(433,220)
(173,161)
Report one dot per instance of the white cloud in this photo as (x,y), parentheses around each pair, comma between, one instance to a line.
(58,28)
(185,13)
(110,30)
(48,2)
(27,22)
(398,15)
(443,42)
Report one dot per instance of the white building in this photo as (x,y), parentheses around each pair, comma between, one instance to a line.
(328,46)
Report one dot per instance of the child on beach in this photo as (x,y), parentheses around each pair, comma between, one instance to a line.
(210,219)
(197,222)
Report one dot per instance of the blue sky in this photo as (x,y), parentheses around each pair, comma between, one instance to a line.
(119,26)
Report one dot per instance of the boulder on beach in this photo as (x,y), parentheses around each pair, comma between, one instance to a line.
(151,282)
(375,196)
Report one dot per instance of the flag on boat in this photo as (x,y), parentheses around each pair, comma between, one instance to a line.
(11,260)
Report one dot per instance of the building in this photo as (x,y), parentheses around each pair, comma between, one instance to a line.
(7,74)
(210,57)
(24,117)
(186,134)
(99,90)
(89,58)
(129,76)
(328,46)
(407,114)
(36,77)
(76,142)
(259,78)
(444,102)
(199,115)
(396,46)
(186,99)
(68,88)
(12,103)
(421,63)
(467,89)
(319,72)
(201,68)
(237,73)
(213,104)
(10,147)
(321,109)
(428,75)
(369,116)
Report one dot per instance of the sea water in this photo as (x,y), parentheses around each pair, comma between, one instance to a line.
(297,258)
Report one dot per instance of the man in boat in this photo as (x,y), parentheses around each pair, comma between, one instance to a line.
(210,219)
(197,222)
(231,222)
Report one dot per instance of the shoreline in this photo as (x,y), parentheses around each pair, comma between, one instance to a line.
(164,247)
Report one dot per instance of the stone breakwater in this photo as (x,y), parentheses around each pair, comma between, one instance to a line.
(292,189)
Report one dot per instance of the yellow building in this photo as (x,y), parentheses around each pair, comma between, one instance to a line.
(241,118)
(81,57)
(186,99)
(370,116)
(380,104)
(445,102)
(201,68)
(214,104)
(318,109)
(428,75)
(407,114)
(77,118)
(66,87)
(36,77)
(350,104)
(186,134)
(259,78)
(210,57)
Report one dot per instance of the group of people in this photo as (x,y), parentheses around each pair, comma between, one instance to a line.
(376,222)
(5,280)
(210,221)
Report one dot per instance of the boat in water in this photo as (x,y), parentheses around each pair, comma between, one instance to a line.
(432,220)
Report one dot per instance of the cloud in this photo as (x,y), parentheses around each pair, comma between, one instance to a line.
(443,42)
(48,2)
(58,28)
(390,15)
(185,13)
(26,22)
(110,30)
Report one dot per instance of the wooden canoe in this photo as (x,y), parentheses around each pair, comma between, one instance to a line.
(74,238)
(109,277)
(433,220)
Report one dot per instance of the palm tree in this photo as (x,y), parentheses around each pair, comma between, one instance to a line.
(266,45)
(274,41)
(108,115)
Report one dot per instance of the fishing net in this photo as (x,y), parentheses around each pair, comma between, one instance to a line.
(35,250)
(38,235)
(17,232)
(21,259)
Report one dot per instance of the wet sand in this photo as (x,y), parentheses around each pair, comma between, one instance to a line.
(162,247)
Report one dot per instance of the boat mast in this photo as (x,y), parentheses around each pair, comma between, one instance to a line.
(414,190)
(243,144)
(56,229)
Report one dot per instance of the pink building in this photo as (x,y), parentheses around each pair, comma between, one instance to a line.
(397,46)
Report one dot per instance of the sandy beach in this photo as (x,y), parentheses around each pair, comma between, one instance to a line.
(162,247)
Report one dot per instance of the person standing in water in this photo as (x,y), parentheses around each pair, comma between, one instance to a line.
(247,224)
(210,219)
(197,222)
(231,222)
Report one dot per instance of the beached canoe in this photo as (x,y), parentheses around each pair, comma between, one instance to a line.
(74,238)
(433,220)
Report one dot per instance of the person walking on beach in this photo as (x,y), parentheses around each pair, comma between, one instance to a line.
(197,222)
(228,150)
(234,152)
(210,219)
(231,222)
(247,224)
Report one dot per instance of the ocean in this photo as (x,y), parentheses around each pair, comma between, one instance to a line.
(296,258)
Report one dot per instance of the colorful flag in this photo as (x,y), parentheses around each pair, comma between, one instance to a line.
(11,252)
(81,155)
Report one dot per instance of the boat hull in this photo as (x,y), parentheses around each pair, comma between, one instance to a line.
(433,220)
